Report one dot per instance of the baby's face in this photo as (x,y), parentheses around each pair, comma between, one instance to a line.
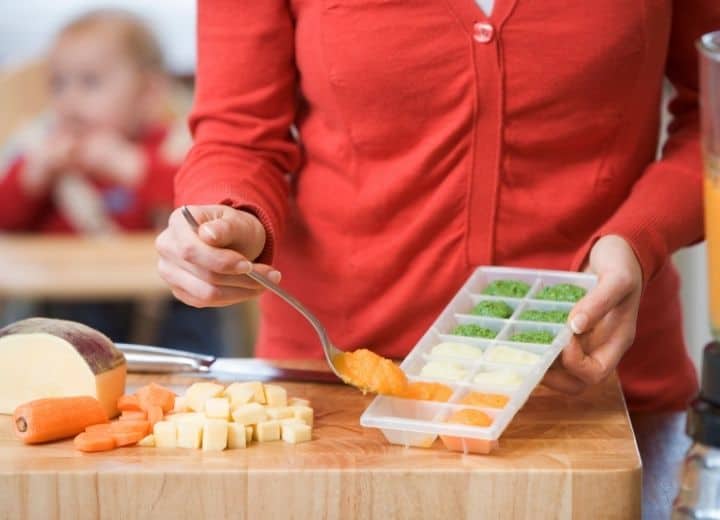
(95,85)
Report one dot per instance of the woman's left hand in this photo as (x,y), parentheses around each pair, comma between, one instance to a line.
(603,321)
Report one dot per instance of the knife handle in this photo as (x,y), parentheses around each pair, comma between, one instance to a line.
(143,358)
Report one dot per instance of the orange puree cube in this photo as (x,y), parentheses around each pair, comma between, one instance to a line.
(471,417)
(466,444)
(427,392)
(487,400)
(370,372)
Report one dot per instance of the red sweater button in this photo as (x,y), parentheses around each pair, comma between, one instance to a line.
(483,32)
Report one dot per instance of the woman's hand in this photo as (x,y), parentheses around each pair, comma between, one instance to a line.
(603,321)
(208,269)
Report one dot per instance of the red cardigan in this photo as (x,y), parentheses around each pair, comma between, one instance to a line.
(132,209)
(435,139)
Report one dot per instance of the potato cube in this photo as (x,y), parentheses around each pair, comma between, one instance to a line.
(297,401)
(295,433)
(279,412)
(250,413)
(267,431)
(237,437)
(147,441)
(217,408)
(291,420)
(243,393)
(181,404)
(189,434)
(165,434)
(275,395)
(182,417)
(249,431)
(304,413)
(198,393)
(214,435)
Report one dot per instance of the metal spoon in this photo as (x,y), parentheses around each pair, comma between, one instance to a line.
(328,348)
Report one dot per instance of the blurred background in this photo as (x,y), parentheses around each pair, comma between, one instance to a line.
(114,272)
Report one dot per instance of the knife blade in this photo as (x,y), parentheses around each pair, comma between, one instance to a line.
(149,359)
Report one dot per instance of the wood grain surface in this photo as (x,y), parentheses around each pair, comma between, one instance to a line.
(71,267)
(562,457)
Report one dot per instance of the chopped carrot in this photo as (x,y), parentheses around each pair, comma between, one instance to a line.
(127,438)
(99,428)
(138,426)
(132,415)
(155,414)
(156,395)
(129,403)
(56,418)
(90,442)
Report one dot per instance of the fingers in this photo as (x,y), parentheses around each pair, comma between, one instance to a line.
(612,288)
(559,379)
(226,227)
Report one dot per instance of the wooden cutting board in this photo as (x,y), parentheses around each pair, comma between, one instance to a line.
(562,457)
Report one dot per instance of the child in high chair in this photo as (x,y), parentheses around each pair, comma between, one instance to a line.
(103,157)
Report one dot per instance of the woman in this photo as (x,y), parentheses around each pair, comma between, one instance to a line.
(433,138)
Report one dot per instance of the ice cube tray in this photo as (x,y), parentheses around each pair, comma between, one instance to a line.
(418,423)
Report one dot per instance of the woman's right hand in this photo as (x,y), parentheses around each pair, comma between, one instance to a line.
(208,269)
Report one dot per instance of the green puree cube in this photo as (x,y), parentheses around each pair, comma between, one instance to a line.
(533,336)
(493,309)
(547,316)
(474,331)
(507,288)
(562,292)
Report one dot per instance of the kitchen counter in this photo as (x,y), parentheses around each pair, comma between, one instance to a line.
(562,457)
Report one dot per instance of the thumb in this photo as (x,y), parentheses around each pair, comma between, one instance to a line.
(234,229)
(612,288)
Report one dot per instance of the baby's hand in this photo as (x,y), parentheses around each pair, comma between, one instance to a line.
(109,156)
(50,158)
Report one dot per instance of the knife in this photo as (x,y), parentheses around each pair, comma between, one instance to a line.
(148,359)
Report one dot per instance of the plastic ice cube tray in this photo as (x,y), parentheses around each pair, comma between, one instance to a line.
(418,423)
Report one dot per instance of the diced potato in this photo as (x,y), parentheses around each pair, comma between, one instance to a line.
(189,434)
(295,433)
(291,420)
(275,395)
(250,413)
(267,431)
(198,393)
(304,413)
(249,433)
(214,435)
(181,404)
(236,436)
(279,412)
(182,417)
(243,393)
(297,401)
(165,434)
(218,408)
(147,441)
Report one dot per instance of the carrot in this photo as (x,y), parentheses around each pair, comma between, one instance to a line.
(127,438)
(128,415)
(56,418)
(155,414)
(130,426)
(98,428)
(128,403)
(156,395)
(90,442)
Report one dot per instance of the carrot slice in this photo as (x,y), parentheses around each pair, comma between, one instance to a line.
(90,442)
(155,414)
(127,438)
(132,415)
(129,403)
(137,426)
(56,418)
(98,428)
(156,395)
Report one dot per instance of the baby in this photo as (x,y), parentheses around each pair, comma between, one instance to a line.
(102,160)
(99,162)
